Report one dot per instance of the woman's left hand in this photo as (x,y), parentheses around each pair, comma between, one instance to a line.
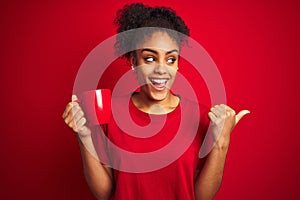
(224,119)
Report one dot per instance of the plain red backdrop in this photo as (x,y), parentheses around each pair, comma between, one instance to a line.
(255,44)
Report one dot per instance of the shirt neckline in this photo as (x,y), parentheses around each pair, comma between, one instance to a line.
(169,114)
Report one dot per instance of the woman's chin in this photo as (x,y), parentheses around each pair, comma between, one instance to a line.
(155,94)
(159,96)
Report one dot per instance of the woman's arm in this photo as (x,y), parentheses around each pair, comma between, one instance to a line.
(98,176)
(209,180)
(223,120)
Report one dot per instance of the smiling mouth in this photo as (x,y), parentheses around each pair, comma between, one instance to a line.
(159,84)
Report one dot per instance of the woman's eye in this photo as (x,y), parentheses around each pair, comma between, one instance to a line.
(171,60)
(149,59)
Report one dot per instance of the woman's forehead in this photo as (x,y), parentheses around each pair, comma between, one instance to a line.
(160,41)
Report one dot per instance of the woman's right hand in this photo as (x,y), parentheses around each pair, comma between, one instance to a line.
(74,118)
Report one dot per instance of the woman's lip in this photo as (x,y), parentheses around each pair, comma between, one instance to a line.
(158,80)
(158,84)
(158,87)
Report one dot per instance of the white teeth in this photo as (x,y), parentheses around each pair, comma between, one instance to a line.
(159,81)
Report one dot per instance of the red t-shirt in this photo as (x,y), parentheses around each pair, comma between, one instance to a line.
(169,173)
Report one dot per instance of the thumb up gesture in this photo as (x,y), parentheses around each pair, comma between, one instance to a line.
(224,119)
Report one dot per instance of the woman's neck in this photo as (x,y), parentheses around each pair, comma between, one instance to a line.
(151,106)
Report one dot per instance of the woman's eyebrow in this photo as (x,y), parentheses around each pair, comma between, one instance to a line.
(174,50)
(151,50)
(155,52)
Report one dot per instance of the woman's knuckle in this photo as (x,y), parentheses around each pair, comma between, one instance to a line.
(81,113)
(69,105)
(66,120)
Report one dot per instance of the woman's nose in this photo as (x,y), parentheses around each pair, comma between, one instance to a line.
(160,68)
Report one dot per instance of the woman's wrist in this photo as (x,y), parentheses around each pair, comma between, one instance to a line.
(222,144)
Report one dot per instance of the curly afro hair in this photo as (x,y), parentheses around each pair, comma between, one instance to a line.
(137,15)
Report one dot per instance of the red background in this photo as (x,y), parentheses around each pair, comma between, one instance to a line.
(255,44)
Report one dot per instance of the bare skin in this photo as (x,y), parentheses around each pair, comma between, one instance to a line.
(223,119)
(98,176)
(156,64)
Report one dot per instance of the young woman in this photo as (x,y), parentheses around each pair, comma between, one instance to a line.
(155,61)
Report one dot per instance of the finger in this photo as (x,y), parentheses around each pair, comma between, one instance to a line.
(73,123)
(69,108)
(70,105)
(228,108)
(222,110)
(79,114)
(74,98)
(80,127)
(240,115)
(219,111)
(212,116)
(76,126)
(81,123)
(215,111)
(72,113)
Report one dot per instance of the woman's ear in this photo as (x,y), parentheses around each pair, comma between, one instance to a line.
(133,60)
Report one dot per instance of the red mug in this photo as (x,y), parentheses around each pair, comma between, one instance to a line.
(96,105)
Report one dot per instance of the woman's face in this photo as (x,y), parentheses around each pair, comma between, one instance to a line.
(156,64)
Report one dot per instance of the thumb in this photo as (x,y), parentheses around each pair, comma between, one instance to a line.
(74,98)
(240,115)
